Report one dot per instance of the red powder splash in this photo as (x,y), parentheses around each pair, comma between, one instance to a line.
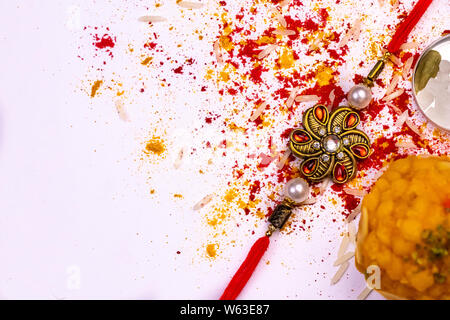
(350,201)
(105,42)
(242,55)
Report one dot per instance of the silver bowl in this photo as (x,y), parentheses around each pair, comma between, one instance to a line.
(436,113)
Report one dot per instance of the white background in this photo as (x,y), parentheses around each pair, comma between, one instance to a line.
(76,217)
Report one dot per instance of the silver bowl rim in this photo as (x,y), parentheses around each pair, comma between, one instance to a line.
(425,51)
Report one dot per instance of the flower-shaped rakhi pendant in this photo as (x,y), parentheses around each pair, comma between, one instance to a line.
(329,143)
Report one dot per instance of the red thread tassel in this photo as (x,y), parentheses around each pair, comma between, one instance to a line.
(244,273)
(407,25)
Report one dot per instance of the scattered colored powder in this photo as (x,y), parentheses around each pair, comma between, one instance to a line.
(211,250)
(226,43)
(230,195)
(324,75)
(350,201)
(95,87)
(105,42)
(155,146)
(146,61)
(244,75)
(286,60)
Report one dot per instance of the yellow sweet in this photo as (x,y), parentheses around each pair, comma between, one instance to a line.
(405,229)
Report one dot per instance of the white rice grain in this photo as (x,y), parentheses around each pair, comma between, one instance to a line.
(267,50)
(395,60)
(401,119)
(407,67)
(395,4)
(406,144)
(324,185)
(284,32)
(307,98)
(344,246)
(283,159)
(344,41)
(314,45)
(217,52)
(352,232)
(413,127)
(279,17)
(394,107)
(190,5)
(344,258)
(258,111)
(179,159)
(355,192)
(291,99)
(354,33)
(394,95)
(152,19)
(356,30)
(393,84)
(341,271)
(331,97)
(121,111)
(309,201)
(409,45)
(355,212)
(207,199)
(364,294)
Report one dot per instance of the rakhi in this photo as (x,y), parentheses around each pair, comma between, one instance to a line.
(330,145)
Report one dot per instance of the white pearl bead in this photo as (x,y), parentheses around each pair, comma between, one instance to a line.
(359,96)
(297,190)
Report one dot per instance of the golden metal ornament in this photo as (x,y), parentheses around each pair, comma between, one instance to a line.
(330,144)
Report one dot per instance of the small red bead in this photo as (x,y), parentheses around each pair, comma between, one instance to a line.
(320,113)
(340,173)
(309,166)
(351,120)
(300,136)
(360,150)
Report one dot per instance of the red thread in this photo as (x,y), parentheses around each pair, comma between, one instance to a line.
(244,273)
(407,25)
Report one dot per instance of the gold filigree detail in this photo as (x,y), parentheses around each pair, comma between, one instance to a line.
(330,144)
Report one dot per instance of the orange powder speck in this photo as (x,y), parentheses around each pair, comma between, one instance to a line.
(209,74)
(230,195)
(211,250)
(95,87)
(226,43)
(286,59)
(324,75)
(177,195)
(260,214)
(224,76)
(146,61)
(265,40)
(219,218)
(152,191)
(155,146)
